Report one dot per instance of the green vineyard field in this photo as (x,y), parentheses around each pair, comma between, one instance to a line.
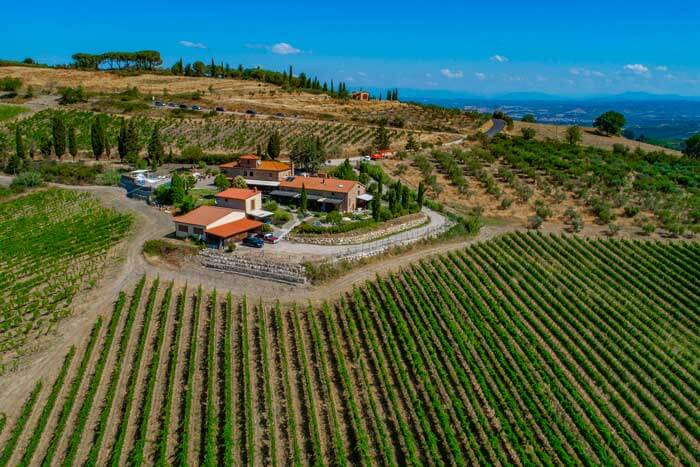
(53,244)
(526,349)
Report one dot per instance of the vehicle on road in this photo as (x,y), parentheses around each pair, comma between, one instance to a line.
(220,109)
(183,106)
(279,115)
(251,112)
(366,158)
(196,107)
(159,104)
(376,156)
(268,238)
(172,104)
(253,242)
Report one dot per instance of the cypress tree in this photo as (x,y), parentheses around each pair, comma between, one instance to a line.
(72,142)
(97,138)
(421,193)
(20,151)
(155,148)
(121,140)
(376,207)
(274,146)
(132,140)
(303,201)
(59,135)
(178,186)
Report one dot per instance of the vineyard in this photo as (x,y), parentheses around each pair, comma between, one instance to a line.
(53,244)
(217,135)
(527,349)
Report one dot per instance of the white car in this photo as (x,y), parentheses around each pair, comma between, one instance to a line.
(366,158)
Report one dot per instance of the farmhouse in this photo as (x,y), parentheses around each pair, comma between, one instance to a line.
(323,193)
(360,95)
(215,225)
(264,175)
(245,200)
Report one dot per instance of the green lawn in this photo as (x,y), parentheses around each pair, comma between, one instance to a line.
(8,112)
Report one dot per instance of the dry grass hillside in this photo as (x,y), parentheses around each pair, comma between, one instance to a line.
(242,95)
(590,137)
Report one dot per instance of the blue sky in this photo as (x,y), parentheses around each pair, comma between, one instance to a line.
(557,47)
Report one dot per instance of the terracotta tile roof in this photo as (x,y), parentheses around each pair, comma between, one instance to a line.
(271,166)
(251,157)
(237,193)
(203,215)
(333,185)
(234,228)
(274,166)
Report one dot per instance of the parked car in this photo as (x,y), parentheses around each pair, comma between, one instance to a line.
(279,115)
(183,106)
(172,104)
(159,104)
(220,109)
(251,112)
(253,242)
(196,107)
(366,158)
(377,156)
(268,238)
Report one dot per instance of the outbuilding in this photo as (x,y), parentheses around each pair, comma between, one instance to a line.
(215,225)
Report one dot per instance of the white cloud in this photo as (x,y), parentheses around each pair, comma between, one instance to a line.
(636,68)
(362,73)
(480,76)
(449,74)
(283,48)
(192,45)
(661,68)
(598,74)
(499,58)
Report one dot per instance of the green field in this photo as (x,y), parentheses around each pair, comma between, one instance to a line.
(8,112)
(527,349)
(53,244)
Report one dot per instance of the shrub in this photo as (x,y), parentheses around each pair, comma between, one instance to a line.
(506,203)
(192,153)
(270,205)
(528,133)
(10,84)
(266,228)
(535,222)
(109,178)
(648,228)
(631,210)
(620,149)
(27,180)
(72,96)
(613,229)
(281,216)
(334,217)
(543,211)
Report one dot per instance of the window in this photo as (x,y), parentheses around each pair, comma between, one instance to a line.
(252,204)
(198,231)
(182,228)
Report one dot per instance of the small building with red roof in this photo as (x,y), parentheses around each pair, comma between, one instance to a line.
(215,225)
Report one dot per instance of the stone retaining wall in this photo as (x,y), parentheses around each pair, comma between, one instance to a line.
(254,267)
(349,239)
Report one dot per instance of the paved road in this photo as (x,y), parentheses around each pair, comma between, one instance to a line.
(498,126)
(436,221)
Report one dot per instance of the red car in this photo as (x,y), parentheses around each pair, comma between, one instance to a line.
(376,156)
(268,238)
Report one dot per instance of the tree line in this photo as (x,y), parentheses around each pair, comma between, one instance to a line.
(141,60)
(285,79)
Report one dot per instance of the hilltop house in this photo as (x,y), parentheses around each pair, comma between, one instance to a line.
(323,193)
(264,175)
(360,95)
(215,225)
